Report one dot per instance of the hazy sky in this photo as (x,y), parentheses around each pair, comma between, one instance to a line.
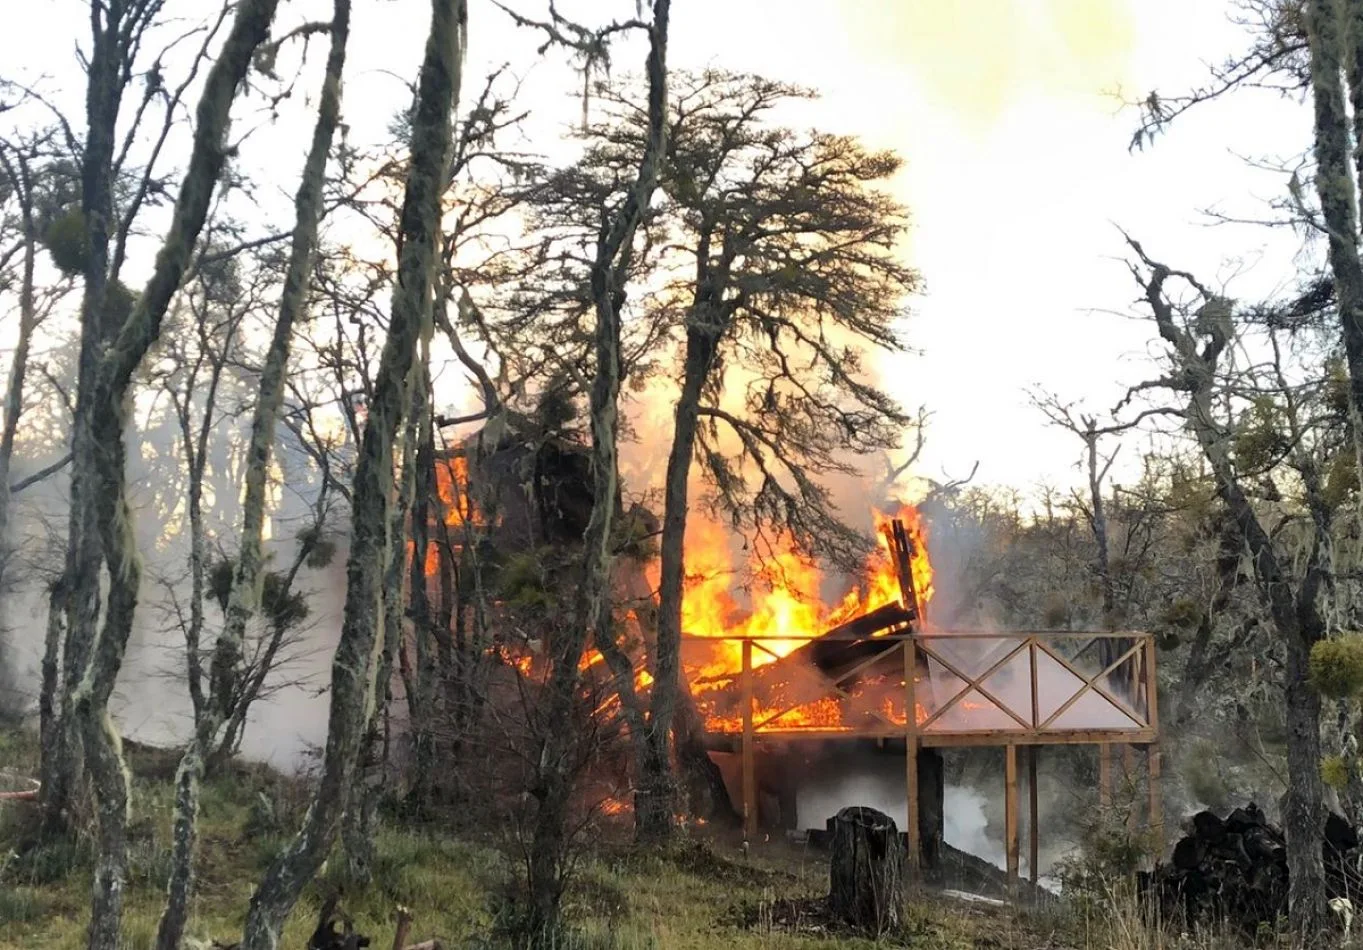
(1017,166)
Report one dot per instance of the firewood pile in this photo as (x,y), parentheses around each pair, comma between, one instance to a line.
(1233,870)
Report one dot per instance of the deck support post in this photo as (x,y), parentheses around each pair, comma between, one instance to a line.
(1104,774)
(1033,829)
(1010,814)
(749,767)
(915,849)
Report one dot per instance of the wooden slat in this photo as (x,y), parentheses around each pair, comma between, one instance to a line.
(1105,775)
(1033,828)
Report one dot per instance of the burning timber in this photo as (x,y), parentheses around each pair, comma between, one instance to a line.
(857,681)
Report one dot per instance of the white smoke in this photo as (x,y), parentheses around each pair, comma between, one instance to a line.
(879,782)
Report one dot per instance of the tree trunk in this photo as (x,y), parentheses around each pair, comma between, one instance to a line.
(357,830)
(14,391)
(866,870)
(655,801)
(1304,814)
(1335,185)
(592,614)
(422,704)
(245,594)
(107,423)
(63,777)
(355,664)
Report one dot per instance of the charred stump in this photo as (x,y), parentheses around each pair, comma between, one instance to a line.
(866,872)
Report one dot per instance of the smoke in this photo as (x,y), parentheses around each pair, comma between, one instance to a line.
(878,781)
(151,701)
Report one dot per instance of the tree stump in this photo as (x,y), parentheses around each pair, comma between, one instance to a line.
(866,873)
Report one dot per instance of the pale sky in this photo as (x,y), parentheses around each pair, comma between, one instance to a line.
(1017,172)
(1017,167)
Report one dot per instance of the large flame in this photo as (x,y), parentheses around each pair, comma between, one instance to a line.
(787,612)
(786,608)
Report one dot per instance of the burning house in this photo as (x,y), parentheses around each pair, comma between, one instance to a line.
(784,686)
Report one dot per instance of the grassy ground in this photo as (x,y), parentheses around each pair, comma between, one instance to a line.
(699,895)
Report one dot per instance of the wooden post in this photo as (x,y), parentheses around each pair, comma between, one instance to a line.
(1104,774)
(749,769)
(1010,813)
(1033,831)
(1129,782)
(1152,753)
(910,651)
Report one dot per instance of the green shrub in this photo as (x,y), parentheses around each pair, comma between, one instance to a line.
(1334,772)
(1337,666)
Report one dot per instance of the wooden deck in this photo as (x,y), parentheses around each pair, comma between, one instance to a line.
(966,688)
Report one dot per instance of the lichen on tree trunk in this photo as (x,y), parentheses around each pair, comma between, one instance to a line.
(593,608)
(104,465)
(244,598)
(356,661)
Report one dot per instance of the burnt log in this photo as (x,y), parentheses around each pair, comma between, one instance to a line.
(866,870)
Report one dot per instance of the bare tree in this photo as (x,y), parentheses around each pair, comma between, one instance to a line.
(226,702)
(98,451)
(1199,338)
(592,616)
(354,667)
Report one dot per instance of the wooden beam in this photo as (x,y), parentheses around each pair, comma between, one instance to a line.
(732,741)
(1104,775)
(1129,782)
(1010,814)
(910,652)
(749,767)
(1033,829)
(1152,753)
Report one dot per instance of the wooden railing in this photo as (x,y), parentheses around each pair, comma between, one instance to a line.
(966,688)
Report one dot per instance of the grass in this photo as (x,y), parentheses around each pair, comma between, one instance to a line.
(696,896)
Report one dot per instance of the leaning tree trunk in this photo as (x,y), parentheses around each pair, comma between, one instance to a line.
(355,664)
(357,828)
(62,766)
(654,802)
(245,593)
(14,391)
(592,614)
(107,421)
(1335,185)
(866,870)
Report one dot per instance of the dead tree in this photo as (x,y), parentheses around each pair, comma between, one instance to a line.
(592,615)
(1197,346)
(362,627)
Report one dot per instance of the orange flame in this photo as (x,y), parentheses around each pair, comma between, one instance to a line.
(786,612)
(452,486)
